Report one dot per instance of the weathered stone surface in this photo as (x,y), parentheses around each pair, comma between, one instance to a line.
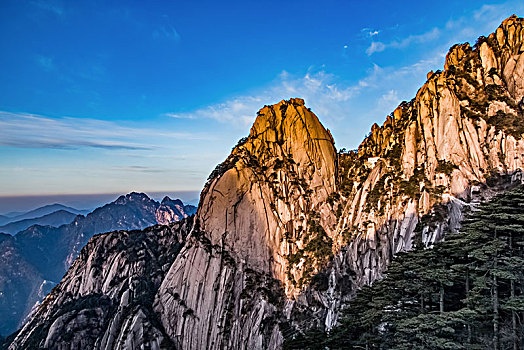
(105,299)
(450,142)
(246,212)
(287,231)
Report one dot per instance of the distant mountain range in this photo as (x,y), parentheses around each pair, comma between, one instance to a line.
(36,258)
(38,212)
(57,218)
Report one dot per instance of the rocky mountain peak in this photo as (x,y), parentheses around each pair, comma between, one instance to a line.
(172,202)
(288,146)
(132,197)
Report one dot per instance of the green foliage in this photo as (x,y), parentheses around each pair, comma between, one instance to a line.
(221,168)
(445,167)
(240,142)
(411,187)
(395,156)
(346,162)
(317,251)
(509,123)
(376,194)
(320,247)
(465,293)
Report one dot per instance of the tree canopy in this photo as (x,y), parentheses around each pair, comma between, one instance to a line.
(466,292)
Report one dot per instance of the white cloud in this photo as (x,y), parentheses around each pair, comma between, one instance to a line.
(179,116)
(389,100)
(369,32)
(377,46)
(338,103)
(320,90)
(481,21)
(34,131)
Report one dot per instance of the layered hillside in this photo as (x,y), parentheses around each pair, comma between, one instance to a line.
(55,219)
(39,212)
(35,260)
(288,229)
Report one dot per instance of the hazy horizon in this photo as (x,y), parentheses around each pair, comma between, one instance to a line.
(26,203)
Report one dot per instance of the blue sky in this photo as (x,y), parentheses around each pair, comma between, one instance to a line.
(109,97)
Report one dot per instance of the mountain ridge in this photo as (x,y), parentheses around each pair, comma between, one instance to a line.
(40,211)
(46,252)
(55,219)
(288,229)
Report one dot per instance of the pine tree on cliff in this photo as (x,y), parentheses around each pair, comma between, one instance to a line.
(465,293)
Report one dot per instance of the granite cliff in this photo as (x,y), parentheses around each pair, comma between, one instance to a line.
(288,229)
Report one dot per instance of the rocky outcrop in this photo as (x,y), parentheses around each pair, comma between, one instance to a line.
(287,229)
(45,253)
(275,182)
(458,142)
(105,298)
(172,210)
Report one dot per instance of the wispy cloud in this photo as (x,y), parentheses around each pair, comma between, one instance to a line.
(377,46)
(390,98)
(35,131)
(54,7)
(180,116)
(481,21)
(368,32)
(166,30)
(320,90)
(140,169)
(484,19)
(45,62)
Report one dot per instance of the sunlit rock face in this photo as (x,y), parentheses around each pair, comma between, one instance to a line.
(274,182)
(287,229)
(458,142)
(172,210)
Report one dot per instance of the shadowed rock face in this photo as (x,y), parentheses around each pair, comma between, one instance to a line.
(34,260)
(287,230)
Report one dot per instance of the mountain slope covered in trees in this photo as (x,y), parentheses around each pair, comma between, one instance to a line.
(464,293)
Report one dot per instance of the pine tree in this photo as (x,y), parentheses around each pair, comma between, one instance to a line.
(465,293)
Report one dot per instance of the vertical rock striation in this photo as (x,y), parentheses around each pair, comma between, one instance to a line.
(458,142)
(229,276)
(287,229)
